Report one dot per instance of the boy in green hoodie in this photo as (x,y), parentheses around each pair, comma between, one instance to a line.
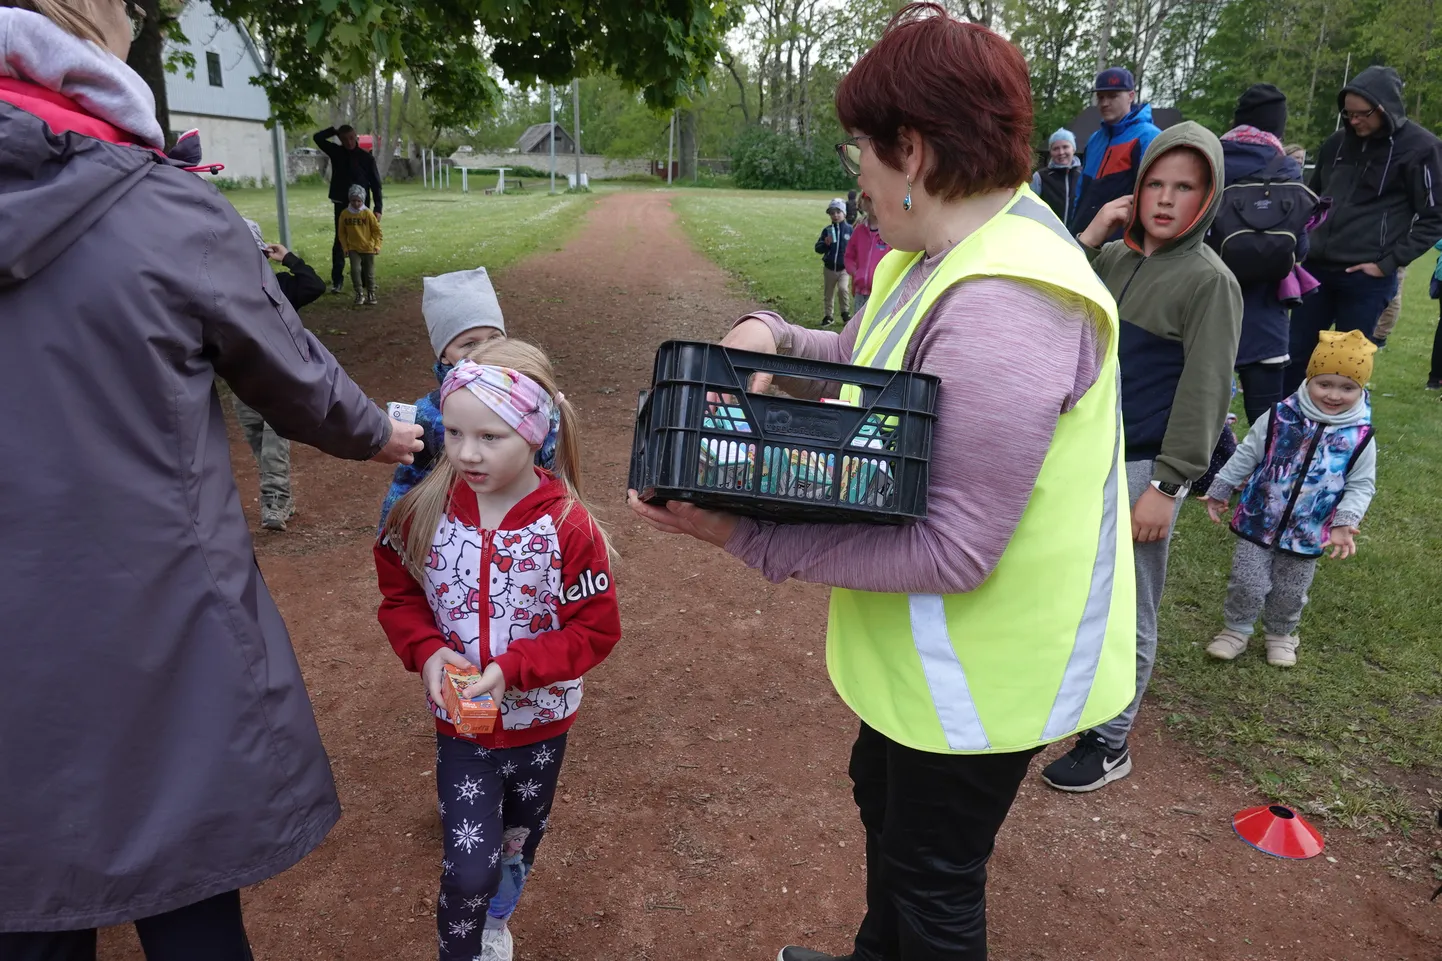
(1181,313)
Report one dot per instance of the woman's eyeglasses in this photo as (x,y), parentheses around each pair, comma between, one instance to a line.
(136,13)
(849,150)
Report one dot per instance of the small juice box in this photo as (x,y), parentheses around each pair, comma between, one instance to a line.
(470,715)
(405,413)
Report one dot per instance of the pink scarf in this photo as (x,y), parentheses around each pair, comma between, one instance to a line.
(1246,133)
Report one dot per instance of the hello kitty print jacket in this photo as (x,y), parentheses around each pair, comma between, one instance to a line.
(537,599)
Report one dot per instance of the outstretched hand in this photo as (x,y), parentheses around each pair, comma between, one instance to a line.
(678,517)
(1343,541)
(1216,509)
(404,444)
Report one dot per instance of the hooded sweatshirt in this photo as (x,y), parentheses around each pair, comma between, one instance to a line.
(1386,189)
(535,596)
(1113,155)
(1181,313)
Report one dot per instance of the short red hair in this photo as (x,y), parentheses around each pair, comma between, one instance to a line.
(960,86)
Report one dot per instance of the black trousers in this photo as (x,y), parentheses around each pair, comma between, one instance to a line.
(212,930)
(1261,388)
(931,822)
(1436,372)
(337,254)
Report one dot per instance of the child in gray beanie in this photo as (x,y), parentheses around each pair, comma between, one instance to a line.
(461,313)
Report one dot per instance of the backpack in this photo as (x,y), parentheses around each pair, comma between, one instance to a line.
(1259,222)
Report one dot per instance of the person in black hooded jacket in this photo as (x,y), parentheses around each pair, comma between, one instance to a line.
(1384,175)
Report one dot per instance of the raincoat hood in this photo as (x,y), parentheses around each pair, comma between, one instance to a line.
(1382,87)
(58,181)
(1141,113)
(1203,141)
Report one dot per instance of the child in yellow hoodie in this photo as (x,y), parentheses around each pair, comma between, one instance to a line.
(360,237)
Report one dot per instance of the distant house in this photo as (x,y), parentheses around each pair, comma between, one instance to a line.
(537,139)
(219,100)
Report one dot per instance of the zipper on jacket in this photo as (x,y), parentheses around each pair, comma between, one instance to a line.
(1301,482)
(487,552)
(1128,285)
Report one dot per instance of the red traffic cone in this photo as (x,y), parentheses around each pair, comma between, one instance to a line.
(1278,831)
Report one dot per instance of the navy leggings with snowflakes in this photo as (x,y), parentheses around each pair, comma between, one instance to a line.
(494,807)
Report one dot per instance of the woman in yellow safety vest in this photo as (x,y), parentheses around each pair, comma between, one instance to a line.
(1005,620)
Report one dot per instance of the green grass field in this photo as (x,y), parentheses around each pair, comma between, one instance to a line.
(765,240)
(1353,732)
(429,231)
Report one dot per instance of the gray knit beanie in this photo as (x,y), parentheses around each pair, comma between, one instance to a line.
(456,302)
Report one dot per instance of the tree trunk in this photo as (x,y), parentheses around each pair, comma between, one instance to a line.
(729,62)
(1104,39)
(386,149)
(147,58)
(687,132)
(375,105)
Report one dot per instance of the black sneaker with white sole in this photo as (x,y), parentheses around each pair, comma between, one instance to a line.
(1088,766)
(792,953)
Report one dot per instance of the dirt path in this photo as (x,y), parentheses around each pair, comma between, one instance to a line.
(705,811)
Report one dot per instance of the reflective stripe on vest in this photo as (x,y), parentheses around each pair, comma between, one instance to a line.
(1091,633)
(1045,646)
(947,678)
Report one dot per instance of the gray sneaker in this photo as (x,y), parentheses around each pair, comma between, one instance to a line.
(496,945)
(793,953)
(274,516)
(360,298)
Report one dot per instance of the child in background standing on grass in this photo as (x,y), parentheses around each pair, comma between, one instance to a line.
(359,232)
(863,253)
(494,563)
(1310,469)
(461,313)
(1181,317)
(831,245)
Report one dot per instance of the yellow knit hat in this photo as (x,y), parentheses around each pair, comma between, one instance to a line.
(1347,355)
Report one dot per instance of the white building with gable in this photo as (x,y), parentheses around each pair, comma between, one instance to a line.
(219,100)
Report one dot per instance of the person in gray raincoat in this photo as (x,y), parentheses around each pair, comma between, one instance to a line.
(157,747)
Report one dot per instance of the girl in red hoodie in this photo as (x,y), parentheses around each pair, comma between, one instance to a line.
(495,563)
(862,255)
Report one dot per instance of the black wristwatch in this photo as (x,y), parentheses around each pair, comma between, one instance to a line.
(1171,490)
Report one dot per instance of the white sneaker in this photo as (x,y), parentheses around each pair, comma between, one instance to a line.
(496,945)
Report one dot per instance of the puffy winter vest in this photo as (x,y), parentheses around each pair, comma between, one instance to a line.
(1289,501)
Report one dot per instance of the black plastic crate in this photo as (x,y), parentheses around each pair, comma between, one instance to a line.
(702,437)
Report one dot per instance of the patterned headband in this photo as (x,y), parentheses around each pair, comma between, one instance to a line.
(517,399)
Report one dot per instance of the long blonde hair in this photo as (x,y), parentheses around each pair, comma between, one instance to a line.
(64,15)
(411,525)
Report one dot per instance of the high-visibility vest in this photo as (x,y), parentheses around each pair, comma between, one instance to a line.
(1046,645)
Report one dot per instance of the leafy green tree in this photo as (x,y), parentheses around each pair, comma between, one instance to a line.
(664,48)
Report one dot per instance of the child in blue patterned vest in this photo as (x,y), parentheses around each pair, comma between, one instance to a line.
(1308,470)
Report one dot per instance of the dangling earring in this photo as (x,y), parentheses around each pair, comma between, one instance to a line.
(906,201)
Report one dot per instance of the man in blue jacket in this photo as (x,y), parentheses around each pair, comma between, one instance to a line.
(1115,151)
